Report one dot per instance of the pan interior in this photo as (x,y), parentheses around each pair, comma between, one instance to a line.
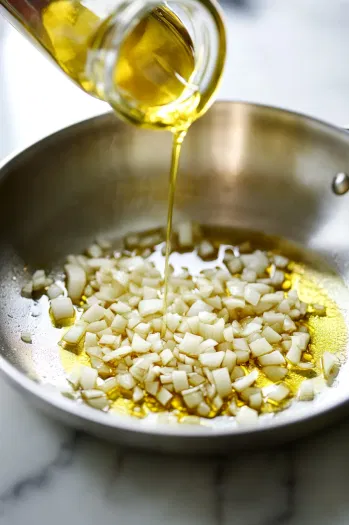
(244,168)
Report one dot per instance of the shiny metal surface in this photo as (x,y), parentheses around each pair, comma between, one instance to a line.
(243,166)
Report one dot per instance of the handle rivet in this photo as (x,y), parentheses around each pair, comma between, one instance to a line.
(340,183)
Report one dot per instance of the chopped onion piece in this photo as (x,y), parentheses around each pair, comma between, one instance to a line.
(150,306)
(229,360)
(203,409)
(197,307)
(329,363)
(274,358)
(27,290)
(275,373)
(247,416)
(88,377)
(306,390)
(126,381)
(166,356)
(97,327)
(185,235)
(295,353)
(206,250)
(270,335)
(260,347)
(251,295)
(53,291)
(278,393)
(96,399)
(90,339)
(244,382)
(140,345)
(190,344)
(222,381)
(76,281)
(26,337)
(94,313)
(213,360)
(164,396)
(119,324)
(74,334)
(62,308)
(192,398)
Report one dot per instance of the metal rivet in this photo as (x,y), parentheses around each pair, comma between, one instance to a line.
(340,183)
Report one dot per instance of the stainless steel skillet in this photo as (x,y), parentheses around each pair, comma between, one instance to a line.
(246,166)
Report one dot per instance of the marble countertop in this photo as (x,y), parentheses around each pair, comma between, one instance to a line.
(51,474)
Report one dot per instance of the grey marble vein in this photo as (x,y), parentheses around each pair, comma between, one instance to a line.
(289,484)
(40,478)
(219,471)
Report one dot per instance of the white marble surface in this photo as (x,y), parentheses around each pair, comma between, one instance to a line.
(291,54)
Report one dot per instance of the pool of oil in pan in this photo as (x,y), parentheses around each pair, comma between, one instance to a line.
(328,332)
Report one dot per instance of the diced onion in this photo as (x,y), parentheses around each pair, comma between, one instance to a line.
(329,363)
(62,308)
(217,320)
(222,381)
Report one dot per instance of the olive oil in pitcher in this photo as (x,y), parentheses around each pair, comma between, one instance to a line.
(158,64)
